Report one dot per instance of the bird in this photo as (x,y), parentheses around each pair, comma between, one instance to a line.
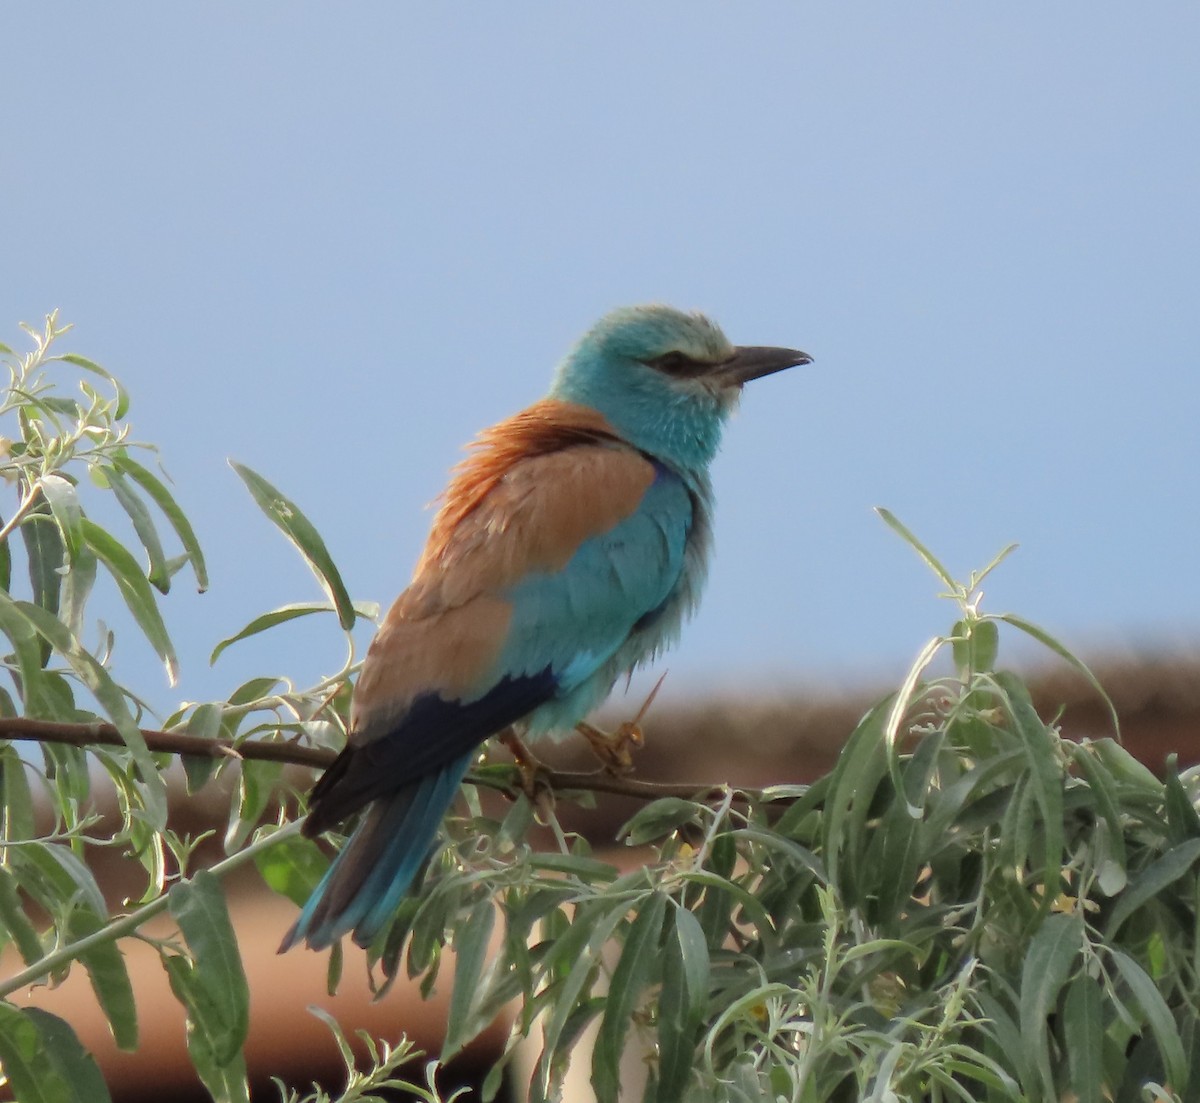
(568,548)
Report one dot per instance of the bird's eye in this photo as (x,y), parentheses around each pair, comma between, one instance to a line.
(676,363)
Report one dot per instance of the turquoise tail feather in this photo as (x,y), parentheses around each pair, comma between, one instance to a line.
(368,879)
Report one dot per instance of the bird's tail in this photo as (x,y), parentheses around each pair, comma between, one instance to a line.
(376,867)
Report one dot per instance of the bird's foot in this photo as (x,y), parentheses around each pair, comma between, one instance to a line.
(534,773)
(614,749)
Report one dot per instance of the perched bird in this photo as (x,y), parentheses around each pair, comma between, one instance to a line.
(568,548)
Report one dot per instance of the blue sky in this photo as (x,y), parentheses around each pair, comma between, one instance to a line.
(333,241)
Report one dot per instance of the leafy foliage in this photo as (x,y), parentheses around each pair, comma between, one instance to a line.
(967,907)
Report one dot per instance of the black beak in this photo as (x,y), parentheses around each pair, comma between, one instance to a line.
(755,361)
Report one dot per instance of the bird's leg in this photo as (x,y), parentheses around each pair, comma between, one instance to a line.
(615,749)
(532,770)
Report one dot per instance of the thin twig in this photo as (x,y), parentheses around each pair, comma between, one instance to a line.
(298,754)
(106,735)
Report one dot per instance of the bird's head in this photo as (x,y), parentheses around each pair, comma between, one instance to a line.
(665,379)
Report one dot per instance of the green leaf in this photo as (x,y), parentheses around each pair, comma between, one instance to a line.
(1083,1032)
(975,644)
(57,875)
(289,519)
(76,589)
(1112,877)
(163,498)
(135,590)
(1181,814)
(365,609)
(122,398)
(1046,640)
(471,943)
(575,956)
(293,868)
(853,782)
(5,566)
(1156,1013)
(637,969)
(258,783)
(223,1074)
(106,691)
(682,1002)
(658,819)
(693,955)
(198,906)
(44,550)
(34,684)
(157,574)
(1052,953)
(105,965)
(64,505)
(1045,774)
(203,722)
(930,560)
(44,1060)
(14,921)
(1160,873)
(18,822)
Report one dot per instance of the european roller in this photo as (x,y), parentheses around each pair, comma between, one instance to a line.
(567,550)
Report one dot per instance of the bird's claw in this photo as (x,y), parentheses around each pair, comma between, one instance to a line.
(614,749)
(534,774)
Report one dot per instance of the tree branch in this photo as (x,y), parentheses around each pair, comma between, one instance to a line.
(297,754)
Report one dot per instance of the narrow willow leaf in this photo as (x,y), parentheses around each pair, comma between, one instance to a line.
(222,1073)
(681,1005)
(658,819)
(163,498)
(578,953)
(694,956)
(56,874)
(258,783)
(289,519)
(18,820)
(292,867)
(637,969)
(76,589)
(136,591)
(1052,953)
(203,722)
(157,572)
(975,644)
(365,609)
(862,764)
(471,943)
(1046,777)
(122,398)
(1157,1015)
(930,560)
(1181,813)
(1148,884)
(1083,1033)
(1103,789)
(1046,640)
(5,566)
(105,965)
(36,693)
(44,1061)
(198,906)
(15,922)
(64,505)
(44,551)
(108,693)
(1124,767)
